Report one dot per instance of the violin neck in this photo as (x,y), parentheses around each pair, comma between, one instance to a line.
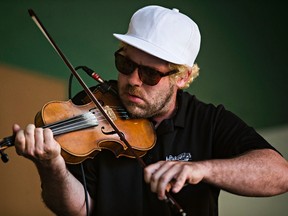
(7,142)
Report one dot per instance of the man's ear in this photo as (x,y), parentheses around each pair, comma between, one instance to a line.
(183,79)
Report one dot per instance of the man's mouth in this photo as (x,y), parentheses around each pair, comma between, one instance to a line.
(134,98)
(134,95)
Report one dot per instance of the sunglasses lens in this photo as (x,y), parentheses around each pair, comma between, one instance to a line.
(148,75)
(123,64)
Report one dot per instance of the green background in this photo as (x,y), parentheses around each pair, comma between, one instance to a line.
(243,57)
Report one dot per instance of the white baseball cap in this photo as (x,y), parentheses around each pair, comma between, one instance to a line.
(164,33)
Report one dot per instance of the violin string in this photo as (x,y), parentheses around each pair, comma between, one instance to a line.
(78,122)
(72,124)
(81,123)
(122,113)
(55,124)
(72,127)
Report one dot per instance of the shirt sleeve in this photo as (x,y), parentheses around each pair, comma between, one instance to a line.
(232,136)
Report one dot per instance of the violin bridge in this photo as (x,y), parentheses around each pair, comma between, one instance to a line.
(109,111)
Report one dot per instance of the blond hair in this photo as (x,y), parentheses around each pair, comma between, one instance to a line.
(192,72)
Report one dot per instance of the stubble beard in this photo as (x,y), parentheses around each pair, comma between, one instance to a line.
(152,107)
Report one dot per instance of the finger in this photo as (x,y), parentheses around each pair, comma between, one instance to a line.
(181,179)
(52,148)
(20,142)
(44,144)
(48,136)
(149,170)
(49,147)
(29,134)
(159,178)
(16,128)
(39,142)
(164,178)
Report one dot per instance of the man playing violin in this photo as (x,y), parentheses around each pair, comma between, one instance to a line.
(200,148)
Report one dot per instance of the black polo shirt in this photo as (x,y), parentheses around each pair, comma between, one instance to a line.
(198,131)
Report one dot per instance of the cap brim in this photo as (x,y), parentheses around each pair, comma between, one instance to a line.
(148,48)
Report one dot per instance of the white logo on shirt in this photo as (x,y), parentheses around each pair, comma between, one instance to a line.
(181,157)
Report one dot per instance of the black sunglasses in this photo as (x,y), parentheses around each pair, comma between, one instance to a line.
(147,75)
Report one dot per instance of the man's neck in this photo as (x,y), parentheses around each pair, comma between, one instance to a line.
(168,114)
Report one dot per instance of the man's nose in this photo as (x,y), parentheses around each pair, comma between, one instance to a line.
(134,78)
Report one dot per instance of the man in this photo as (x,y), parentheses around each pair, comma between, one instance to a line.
(200,148)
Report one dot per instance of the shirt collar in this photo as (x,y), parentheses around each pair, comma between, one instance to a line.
(178,120)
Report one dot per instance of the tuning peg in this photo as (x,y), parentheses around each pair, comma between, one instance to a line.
(4,157)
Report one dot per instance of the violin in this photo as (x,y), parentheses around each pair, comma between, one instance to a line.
(82,131)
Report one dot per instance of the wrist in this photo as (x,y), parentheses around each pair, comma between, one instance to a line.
(56,163)
(207,169)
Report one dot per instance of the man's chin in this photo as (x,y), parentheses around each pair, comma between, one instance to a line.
(137,112)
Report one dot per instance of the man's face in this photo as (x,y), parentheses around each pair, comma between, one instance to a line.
(140,99)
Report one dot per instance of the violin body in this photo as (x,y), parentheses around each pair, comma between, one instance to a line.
(80,144)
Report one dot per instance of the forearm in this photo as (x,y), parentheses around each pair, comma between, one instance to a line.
(256,173)
(61,191)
